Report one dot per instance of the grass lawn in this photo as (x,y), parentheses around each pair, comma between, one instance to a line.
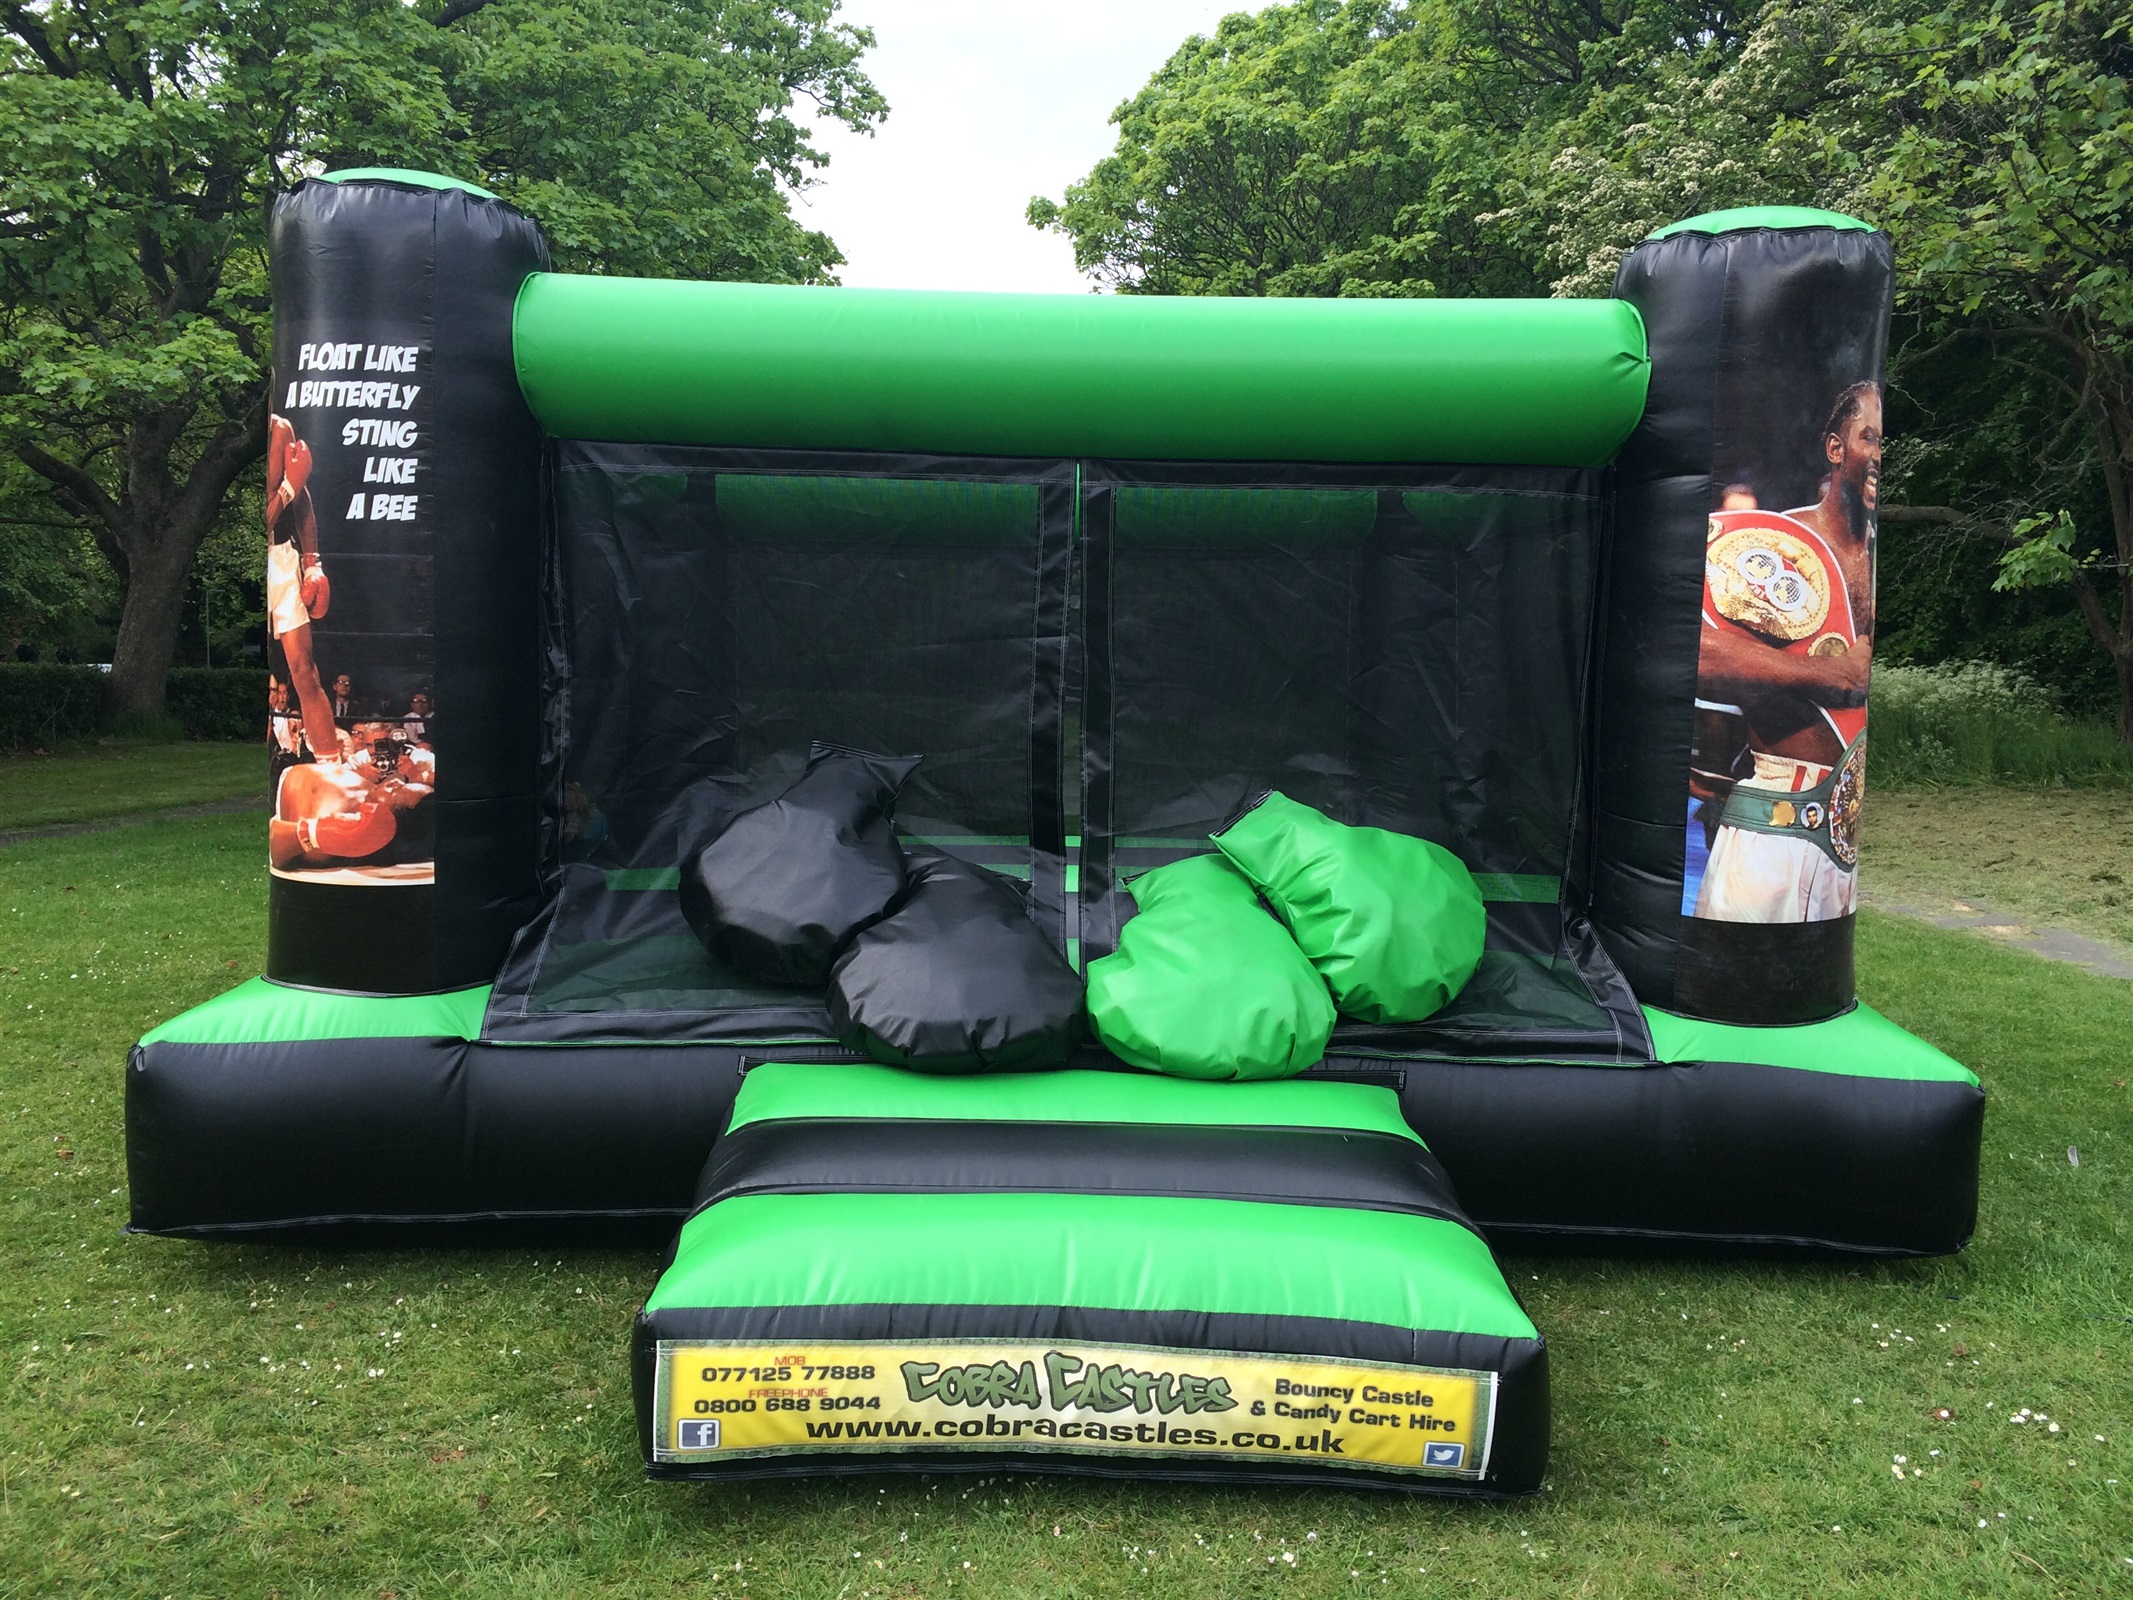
(2063,857)
(256,1420)
(114,777)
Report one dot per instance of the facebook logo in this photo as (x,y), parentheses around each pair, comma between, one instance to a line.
(704,1435)
(1433,1455)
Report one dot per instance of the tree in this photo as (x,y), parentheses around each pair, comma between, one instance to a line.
(53,584)
(1374,147)
(652,137)
(1320,148)
(2009,182)
(147,137)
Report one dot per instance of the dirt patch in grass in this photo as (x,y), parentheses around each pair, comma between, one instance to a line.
(2056,857)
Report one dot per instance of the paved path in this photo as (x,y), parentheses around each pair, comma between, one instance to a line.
(213,808)
(2053,944)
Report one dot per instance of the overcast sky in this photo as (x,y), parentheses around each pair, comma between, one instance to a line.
(990,102)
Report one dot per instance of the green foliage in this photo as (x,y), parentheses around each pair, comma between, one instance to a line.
(1979,722)
(1965,428)
(2007,159)
(55,588)
(1405,147)
(2007,174)
(654,137)
(1936,694)
(1323,148)
(2044,556)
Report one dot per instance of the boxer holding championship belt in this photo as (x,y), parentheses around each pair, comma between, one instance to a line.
(1788,640)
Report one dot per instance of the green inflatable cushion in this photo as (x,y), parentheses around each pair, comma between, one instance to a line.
(1394,924)
(1205,984)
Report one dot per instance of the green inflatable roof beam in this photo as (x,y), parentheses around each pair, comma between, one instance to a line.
(1538,382)
(1742,218)
(406,175)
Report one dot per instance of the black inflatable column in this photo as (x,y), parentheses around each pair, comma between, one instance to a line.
(1730,743)
(402,586)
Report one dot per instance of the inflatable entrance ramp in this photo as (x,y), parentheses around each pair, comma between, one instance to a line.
(1084,1272)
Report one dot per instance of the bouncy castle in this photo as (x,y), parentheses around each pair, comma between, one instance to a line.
(1090,854)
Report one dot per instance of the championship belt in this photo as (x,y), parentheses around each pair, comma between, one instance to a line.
(1827,814)
(1772,576)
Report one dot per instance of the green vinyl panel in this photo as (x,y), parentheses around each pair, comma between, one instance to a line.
(1861,1043)
(406,175)
(783,1090)
(1543,382)
(259,1012)
(1741,218)
(1105,1251)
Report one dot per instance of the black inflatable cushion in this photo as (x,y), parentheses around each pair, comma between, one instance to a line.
(956,979)
(785,886)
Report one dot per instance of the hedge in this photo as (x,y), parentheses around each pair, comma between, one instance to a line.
(41,702)
(219,702)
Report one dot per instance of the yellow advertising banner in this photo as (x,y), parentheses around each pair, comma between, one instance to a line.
(719,1400)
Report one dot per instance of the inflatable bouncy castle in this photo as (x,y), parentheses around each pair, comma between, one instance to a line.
(1091,854)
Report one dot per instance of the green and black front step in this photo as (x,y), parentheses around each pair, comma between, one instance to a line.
(1084,1272)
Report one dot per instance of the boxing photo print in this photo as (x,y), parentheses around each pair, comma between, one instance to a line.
(351,716)
(1778,761)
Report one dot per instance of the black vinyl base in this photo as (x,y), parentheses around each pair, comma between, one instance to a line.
(1706,1154)
(371,1133)
(588,1140)
(1765,974)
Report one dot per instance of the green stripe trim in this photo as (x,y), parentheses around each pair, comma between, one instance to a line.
(259,1012)
(1522,888)
(923,511)
(1740,219)
(784,1090)
(406,175)
(1113,1252)
(631,880)
(639,878)
(1526,888)
(1519,888)
(1860,1044)
(1170,517)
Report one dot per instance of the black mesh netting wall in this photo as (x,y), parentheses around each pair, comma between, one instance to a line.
(1098,662)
